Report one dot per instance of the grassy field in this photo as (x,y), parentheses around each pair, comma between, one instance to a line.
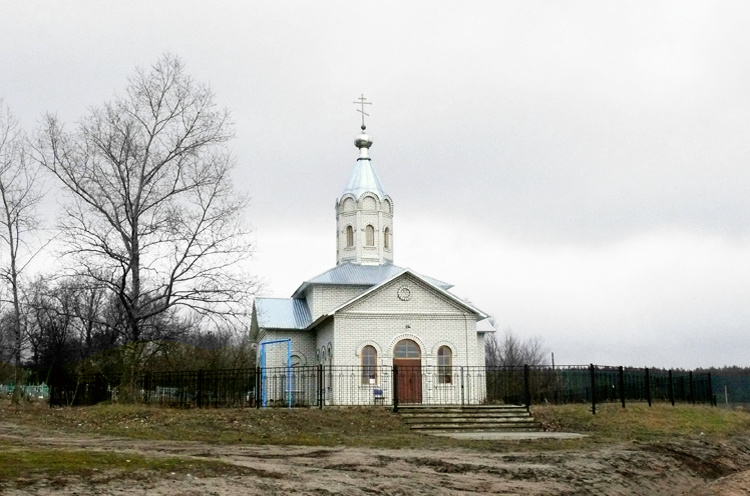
(376,427)
(639,422)
(366,427)
(356,427)
(24,464)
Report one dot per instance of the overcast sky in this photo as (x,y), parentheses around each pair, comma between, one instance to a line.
(579,170)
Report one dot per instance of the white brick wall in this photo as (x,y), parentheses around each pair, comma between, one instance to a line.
(324,342)
(325,298)
(303,345)
(426,317)
(381,319)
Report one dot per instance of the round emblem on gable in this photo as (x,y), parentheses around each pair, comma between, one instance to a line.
(404,293)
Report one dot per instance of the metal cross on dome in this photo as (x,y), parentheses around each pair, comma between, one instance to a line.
(362,102)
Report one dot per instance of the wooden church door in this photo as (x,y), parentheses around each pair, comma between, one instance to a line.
(408,358)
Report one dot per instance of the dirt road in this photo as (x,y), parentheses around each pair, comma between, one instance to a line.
(692,468)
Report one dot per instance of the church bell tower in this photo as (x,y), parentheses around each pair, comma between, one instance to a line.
(364,212)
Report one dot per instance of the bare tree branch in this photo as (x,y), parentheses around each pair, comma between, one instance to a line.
(20,195)
(153,216)
(508,350)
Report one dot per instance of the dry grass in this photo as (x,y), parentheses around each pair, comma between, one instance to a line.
(370,427)
(24,463)
(43,448)
(639,422)
(360,427)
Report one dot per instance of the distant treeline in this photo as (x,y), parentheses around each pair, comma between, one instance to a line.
(730,384)
(70,324)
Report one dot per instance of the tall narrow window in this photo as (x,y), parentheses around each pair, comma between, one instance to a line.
(387,238)
(369,365)
(349,236)
(445,365)
(370,236)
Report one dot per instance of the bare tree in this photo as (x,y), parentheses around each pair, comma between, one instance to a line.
(19,196)
(153,216)
(510,350)
(7,339)
(8,372)
(86,304)
(49,327)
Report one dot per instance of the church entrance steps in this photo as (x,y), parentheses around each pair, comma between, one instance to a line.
(468,418)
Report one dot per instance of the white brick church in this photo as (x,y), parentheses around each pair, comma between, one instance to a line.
(365,314)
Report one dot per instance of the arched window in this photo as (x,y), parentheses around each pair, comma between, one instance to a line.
(406,348)
(369,203)
(445,365)
(369,235)
(349,236)
(369,365)
(387,238)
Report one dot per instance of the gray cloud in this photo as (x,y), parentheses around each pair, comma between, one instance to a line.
(560,135)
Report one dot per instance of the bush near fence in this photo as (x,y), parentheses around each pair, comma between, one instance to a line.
(319,386)
(184,389)
(29,391)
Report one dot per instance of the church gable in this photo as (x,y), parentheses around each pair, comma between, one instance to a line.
(407,294)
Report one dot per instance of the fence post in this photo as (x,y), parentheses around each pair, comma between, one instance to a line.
(462,385)
(395,389)
(692,390)
(622,386)
(256,396)
(682,396)
(147,388)
(710,391)
(592,370)
(648,387)
(671,388)
(200,389)
(321,386)
(51,393)
(526,387)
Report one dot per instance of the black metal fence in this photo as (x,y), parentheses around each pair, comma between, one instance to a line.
(319,386)
(602,384)
(198,389)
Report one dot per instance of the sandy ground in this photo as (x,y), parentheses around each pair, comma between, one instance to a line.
(695,468)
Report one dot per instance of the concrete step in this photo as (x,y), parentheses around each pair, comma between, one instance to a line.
(475,427)
(465,409)
(474,418)
(408,415)
(461,420)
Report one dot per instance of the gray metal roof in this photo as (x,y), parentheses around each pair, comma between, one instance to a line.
(485,325)
(363,179)
(351,274)
(282,313)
